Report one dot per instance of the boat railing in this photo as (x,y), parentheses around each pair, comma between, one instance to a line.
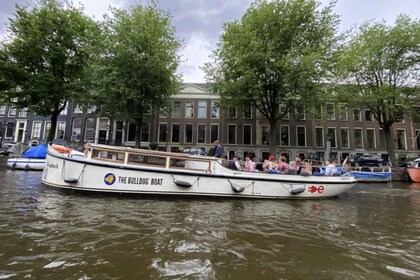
(371,169)
(146,158)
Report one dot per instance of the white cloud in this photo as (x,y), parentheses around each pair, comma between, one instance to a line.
(195,54)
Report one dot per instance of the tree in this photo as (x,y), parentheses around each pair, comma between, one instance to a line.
(382,64)
(136,71)
(274,58)
(43,62)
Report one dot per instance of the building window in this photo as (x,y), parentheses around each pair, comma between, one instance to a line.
(247,112)
(145,132)
(332,137)
(188,138)
(175,133)
(401,140)
(330,112)
(231,134)
(265,135)
(163,132)
(319,137)
(163,113)
(36,129)
(3,110)
(47,128)
(284,111)
(201,133)
(284,135)
(342,114)
(189,109)
(176,109)
(399,115)
(371,139)
(301,136)
(247,134)
(202,109)
(214,132)
(318,113)
(345,140)
(300,112)
(90,129)
(369,116)
(12,112)
(76,129)
(357,117)
(214,110)
(22,113)
(10,129)
(358,138)
(232,112)
(60,132)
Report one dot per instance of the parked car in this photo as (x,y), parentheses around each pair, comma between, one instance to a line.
(368,160)
(195,151)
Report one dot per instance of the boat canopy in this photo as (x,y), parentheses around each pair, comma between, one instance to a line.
(39,151)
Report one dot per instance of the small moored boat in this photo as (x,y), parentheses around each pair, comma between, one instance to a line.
(136,171)
(32,159)
(372,174)
(414,171)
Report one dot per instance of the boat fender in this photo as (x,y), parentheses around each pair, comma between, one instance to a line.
(71,180)
(184,184)
(13,166)
(26,167)
(297,190)
(237,188)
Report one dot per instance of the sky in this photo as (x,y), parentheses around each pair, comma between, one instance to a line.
(199,23)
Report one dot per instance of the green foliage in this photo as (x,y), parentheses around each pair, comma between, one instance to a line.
(382,63)
(136,70)
(43,62)
(277,54)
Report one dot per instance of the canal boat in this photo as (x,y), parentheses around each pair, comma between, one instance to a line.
(372,174)
(114,169)
(414,171)
(32,159)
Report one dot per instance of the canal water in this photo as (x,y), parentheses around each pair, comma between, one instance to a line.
(369,232)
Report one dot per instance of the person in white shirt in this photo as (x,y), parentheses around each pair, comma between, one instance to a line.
(330,168)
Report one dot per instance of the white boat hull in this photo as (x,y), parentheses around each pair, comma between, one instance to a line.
(84,174)
(26,163)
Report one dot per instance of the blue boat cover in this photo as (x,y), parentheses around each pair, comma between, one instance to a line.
(39,151)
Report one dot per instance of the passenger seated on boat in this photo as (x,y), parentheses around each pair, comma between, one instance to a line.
(292,168)
(330,169)
(307,169)
(234,164)
(283,167)
(298,164)
(271,165)
(249,164)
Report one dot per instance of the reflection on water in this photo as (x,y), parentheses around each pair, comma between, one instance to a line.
(370,232)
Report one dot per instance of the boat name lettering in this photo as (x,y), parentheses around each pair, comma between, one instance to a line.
(139,181)
(52,165)
(313,189)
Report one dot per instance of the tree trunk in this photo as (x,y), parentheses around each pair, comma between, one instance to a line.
(272,140)
(139,123)
(390,146)
(51,133)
